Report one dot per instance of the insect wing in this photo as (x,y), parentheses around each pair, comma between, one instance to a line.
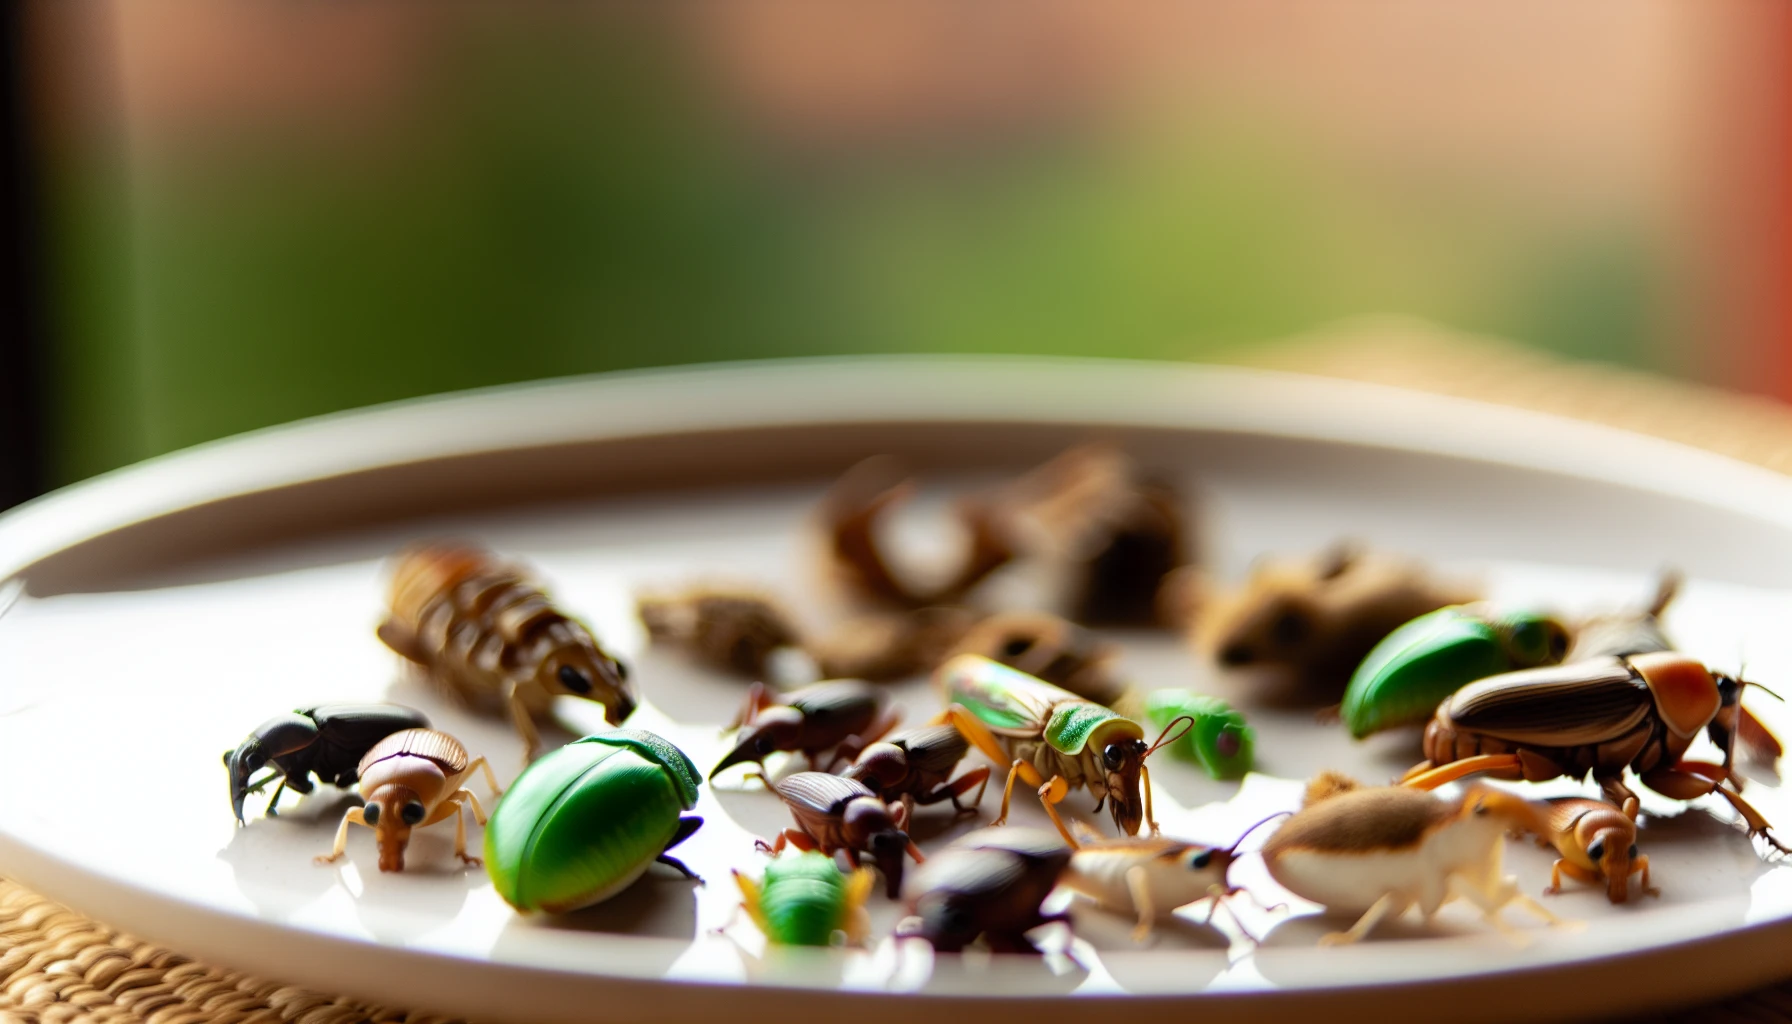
(849,704)
(439,747)
(934,750)
(348,731)
(1558,706)
(818,794)
(1009,702)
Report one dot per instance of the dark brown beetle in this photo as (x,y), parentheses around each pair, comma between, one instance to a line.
(1599,716)
(833,814)
(846,714)
(990,883)
(913,766)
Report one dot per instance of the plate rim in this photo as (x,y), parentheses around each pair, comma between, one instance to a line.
(815,392)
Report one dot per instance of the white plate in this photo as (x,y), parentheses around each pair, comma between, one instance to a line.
(170,607)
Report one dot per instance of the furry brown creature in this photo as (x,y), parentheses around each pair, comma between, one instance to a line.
(1313,619)
(1376,851)
(486,634)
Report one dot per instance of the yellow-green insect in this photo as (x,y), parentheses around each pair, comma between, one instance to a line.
(1219,741)
(806,900)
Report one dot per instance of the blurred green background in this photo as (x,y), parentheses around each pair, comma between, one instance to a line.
(378,201)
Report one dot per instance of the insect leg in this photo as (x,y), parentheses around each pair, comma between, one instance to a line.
(403,641)
(1642,864)
(479,814)
(1145,784)
(851,747)
(1050,795)
(1760,743)
(1138,884)
(460,830)
(335,854)
(525,724)
(274,801)
(978,777)
(1390,903)
(262,783)
(1436,777)
(1690,779)
(490,779)
(1572,870)
(758,699)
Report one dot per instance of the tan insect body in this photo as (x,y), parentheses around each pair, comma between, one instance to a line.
(1359,852)
(420,770)
(1147,877)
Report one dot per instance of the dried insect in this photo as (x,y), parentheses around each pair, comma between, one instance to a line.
(1316,620)
(1599,717)
(734,630)
(327,741)
(485,634)
(833,813)
(990,883)
(1220,740)
(913,766)
(1412,670)
(846,714)
(1597,843)
(1047,647)
(412,779)
(851,511)
(1051,738)
(891,645)
(1375,851)
(1105,535)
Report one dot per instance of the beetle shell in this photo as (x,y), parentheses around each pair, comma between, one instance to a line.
(1413,670)
(804,900)
(584,821)
(1219,741)
(991,882)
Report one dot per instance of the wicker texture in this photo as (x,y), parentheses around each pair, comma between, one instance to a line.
(57,966)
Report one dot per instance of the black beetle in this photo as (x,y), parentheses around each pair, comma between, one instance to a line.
(328,741)
(989,883)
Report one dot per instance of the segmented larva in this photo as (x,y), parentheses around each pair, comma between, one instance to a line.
(486,634)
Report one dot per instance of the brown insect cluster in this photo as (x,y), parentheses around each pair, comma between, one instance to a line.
(1309,621)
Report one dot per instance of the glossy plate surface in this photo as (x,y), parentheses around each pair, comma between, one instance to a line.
(167,609)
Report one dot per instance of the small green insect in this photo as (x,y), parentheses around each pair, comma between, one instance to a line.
(805,900)
(583,822)
(1416,667)
(1220,741)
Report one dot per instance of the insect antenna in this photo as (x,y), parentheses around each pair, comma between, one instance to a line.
(1242,836)
(1186,721)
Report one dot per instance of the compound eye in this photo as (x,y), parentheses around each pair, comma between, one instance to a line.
(1113,755)
(764,745)
(1201,860)
(413,812)
(371,814)
(1017,646)
(1237,654)
(1597,850)
(1632,851)
(621,670)
(574,680)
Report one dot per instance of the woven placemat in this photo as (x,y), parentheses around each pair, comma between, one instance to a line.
(57,966)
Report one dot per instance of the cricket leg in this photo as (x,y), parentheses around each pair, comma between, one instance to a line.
(335,854)
(1138,884)
(524,723)
(1435,777)
(1391,903)
(1572,870)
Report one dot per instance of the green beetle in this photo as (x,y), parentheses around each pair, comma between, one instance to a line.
(804,900)
(583,822)
(1219,741)
(1051,738)
(1416,667)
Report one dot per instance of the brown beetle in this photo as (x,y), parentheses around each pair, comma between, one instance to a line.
(412,779)
(1314,619)
(833,814)
(845,714)
(1597,843)
(913,766)
(990,883)
(1599,716)
(484,633)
